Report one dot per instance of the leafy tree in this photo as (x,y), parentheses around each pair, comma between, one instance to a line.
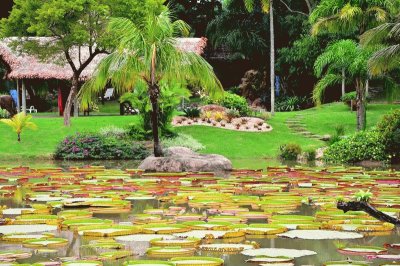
(387,58)
(72,23)
(336,59)
(148,54)
(267,6)
(351,16)
(19,122)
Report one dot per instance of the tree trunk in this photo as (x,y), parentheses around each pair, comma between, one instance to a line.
(19,137)
(154,93)
(272,56)
(154,122)
(343,82)
(70,101)
(361,109)
(366,207)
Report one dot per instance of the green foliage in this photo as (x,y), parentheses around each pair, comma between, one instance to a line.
(192,111)
(90,146)
(232,101)
(366,145)
(4,114)
(362,195)
(113,132)
(311,155)
(291,103)
(19,122)
(389,131)
(350,96)
(137,130)
(338,135)
(183,140)
(290,151)
(170,98)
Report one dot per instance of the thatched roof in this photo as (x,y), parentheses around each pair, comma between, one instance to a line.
(23,66)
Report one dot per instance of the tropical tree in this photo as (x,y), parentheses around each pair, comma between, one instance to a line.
(351,17)
(19,122)
(267,6)
(75,25)
(334,62)
(387,58)
(147,53)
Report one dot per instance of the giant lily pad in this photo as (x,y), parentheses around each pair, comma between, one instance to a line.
(278,252)
(320,234)
(200,261)
(23,229)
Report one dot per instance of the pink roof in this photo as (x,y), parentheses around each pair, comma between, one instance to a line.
(24,66)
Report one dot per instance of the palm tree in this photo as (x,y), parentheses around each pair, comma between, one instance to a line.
(387,58)
(336,59)
(19,122)
(268,7)
(348,17)
(147,53)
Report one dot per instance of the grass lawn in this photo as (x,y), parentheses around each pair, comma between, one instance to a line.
(244,149)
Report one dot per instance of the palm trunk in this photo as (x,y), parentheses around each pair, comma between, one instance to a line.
(272,56)
(19,137)
(154,93)
(154,123)
(361,110)
(70,101)
(343,82)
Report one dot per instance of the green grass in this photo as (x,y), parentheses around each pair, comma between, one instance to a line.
(250,150)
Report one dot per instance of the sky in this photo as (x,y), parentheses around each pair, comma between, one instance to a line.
(5,7)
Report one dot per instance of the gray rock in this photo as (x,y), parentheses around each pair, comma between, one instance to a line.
(180,159)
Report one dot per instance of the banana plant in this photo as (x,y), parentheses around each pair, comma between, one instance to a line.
(19,122)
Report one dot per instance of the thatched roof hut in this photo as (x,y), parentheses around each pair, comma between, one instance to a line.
(23,66)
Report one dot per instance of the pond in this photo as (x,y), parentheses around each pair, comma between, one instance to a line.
(95,213)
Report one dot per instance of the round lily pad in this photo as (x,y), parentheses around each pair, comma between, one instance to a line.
(320,234)
(278,252)
(198,261)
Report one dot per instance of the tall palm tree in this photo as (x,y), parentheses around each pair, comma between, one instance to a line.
(19,122)
(147,53)
(348,17)
(268,7)
(336,59)
(387,58)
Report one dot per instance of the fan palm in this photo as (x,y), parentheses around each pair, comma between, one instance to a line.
(19,122)
(267,7)
(336,59)
(147,53)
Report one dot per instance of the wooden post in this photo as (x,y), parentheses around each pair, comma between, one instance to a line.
(23,97)
(18,101)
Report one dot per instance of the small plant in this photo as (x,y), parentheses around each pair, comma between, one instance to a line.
(244,121)
(260,123)
(362,195)
(183,119)
(183,140)
(219,116)
(19,122)
(338,135)
(192,111)
(223,124)
(189,122)
(237,125)
(214,123)
(255,125)
(247,127)
(311,155)
(290,151)
(231,114)
(259,128)
(4,114)
(350,96)
(113,131)
(208,115)
(195,120)
(179,121)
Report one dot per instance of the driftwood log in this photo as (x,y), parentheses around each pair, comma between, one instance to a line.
(368,208)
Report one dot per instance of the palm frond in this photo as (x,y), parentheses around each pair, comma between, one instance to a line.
(377,34)
(319,89)
(384,60)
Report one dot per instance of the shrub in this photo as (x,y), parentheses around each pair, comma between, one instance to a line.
(311,155)
(192,111)
(233,101)
(290,151)
(90,146)
(389,131)
(231,114)
(113,131)
(291,103)
(183,140)
(137,132)
(219,116)
(337,136)
(367,145)
(4,114)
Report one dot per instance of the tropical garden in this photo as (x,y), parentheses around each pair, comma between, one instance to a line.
(200,132)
